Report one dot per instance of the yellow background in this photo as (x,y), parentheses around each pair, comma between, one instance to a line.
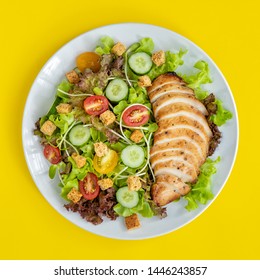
(31,32)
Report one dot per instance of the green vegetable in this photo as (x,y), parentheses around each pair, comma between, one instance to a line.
(222,115)
(146,45)
(172,62)
(62,121)
(127,198)
(143,207)
(201,190)
(201,77)
(120,107)
(117,90)
(140,63)
(63,88)
(133,156)
(106,45)
(79,135)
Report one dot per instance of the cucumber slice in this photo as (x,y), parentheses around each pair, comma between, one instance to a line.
(133,156)
(141,63)
(79,135)
(127,198)
(117,90)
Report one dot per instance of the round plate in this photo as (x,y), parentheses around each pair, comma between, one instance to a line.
(41,97)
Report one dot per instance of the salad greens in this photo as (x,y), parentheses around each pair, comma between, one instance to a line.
(72,162)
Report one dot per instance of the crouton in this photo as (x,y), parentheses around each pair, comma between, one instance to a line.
(74,195)
(64,108)
(101,149)
(72,77)
(48,128)
(134,183)
(144,81)
(136,136)
(105,184)
(118,49)
(107,117)
(132,222)
(79,160)
(158,58)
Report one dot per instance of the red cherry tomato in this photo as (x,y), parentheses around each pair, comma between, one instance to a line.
(136,115)
(95,105)
(52,154)
(89,187)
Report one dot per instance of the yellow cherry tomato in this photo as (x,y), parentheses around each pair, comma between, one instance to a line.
(107,163)
(89,60)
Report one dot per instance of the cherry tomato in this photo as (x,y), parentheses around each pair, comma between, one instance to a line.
(95,105)
(52,154)
(107,163)
(89,60)
(89,187)
(136,115)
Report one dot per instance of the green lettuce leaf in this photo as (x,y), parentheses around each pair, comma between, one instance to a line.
(62,121)
(143,207)
(201,190)
(222,115)
(146,45)
(201,77)
(64,86)
(196,80)
(172,61)
(106,45)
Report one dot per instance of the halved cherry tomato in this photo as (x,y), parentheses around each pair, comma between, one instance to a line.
(107,163)
(95,105)
(136,115)
(89,187)
(52,154)
(89,60)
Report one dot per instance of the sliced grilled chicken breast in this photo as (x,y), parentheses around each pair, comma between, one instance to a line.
(180,98)
(181,142)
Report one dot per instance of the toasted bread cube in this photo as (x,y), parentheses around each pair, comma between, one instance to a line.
(137,136)
(72,77)
(64,108)
(158,58)
(101,149)
(134,183)
(144,81)
(105,184)
(107,117)
(118,49)
(79,160)
(74,195)
(132,222)
(48,128)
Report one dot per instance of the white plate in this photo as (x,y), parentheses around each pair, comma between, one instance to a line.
(41,97)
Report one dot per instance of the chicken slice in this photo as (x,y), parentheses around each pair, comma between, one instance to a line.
(169,89)
(165,79)
(175,153)
(168,188)
(182,110)
(181,142)
(177,98)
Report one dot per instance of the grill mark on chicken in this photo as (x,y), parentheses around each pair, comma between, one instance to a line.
(177,89)
(183,122)
(170,99)
(187,112)
(168,78)
(185,155)
(181,142)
